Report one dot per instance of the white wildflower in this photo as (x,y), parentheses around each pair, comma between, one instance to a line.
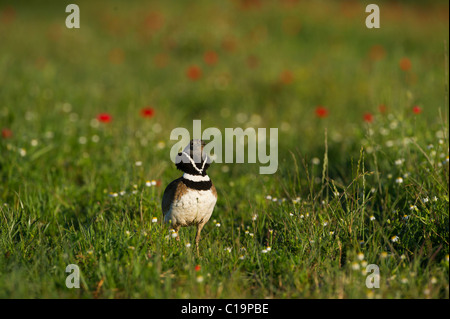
(389,143)
(82,140)
(199,279)
(95,138)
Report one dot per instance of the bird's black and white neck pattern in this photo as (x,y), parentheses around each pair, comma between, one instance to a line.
(186,164)
(197,182)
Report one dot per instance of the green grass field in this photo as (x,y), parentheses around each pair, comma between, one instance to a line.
(362,116)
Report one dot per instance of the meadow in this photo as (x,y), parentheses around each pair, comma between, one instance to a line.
(362,116)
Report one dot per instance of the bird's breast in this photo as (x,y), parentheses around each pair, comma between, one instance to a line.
(193,207)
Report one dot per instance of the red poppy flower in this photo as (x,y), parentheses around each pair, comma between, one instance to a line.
(321,112)
(104,118)
(405,64)
(7,15)
(6,133)
(417,109)
(210,57)
(194,72)
(252,61)
(250,4)
(229,44)
(286,77)
(197,268)
(154,21)
(148,112)
(382,108)
(377,52)
(368,117)
(158,182)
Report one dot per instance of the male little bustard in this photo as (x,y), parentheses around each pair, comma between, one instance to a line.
(190,199)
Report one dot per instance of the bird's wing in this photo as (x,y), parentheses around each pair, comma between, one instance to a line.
(214,191)
(171,193)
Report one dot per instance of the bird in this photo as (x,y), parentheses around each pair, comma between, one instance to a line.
(190,199)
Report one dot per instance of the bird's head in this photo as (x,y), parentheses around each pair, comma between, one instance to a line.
(192,159)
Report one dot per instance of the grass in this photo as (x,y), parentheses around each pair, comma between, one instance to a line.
(348,192)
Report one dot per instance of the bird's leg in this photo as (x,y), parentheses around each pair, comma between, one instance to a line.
(197,236)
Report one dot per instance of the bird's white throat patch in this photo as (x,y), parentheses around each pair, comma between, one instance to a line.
(196,178)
